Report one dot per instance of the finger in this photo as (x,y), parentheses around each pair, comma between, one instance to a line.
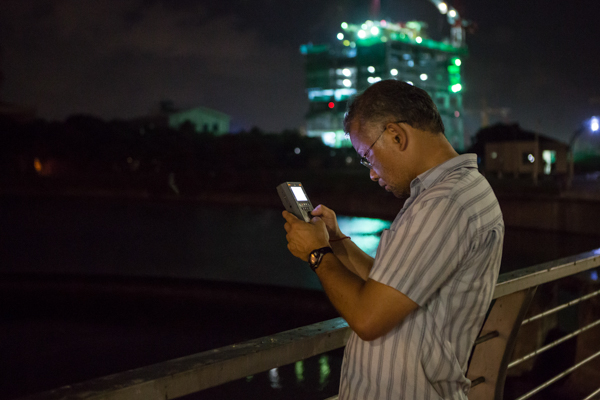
(287,227)
(289,217)
(318,210)
(314,220)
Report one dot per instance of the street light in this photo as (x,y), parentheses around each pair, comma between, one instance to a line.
(593,126)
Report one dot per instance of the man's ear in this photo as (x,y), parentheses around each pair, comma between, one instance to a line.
(400,135)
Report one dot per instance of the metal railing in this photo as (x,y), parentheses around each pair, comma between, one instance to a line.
(489,364)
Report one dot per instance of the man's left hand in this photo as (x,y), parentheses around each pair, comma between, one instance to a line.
(304,237)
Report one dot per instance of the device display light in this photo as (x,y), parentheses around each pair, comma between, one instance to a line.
(374,31)
(419,39)
(340,36)
(362,34)
(347,82)
(344,25)
(371,69)
(443,7)
(346,72)
(452,13)
(394,72)
(423,77)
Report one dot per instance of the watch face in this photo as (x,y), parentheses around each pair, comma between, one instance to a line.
(313,258)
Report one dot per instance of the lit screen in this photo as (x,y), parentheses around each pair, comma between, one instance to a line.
(298,193)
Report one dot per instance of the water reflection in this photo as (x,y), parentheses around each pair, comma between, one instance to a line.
(365,232)
(324,371)
(274,378)
(299,368)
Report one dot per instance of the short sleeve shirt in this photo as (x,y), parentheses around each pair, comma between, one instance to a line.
(443,251)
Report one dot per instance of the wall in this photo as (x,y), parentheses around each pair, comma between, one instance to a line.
(554,213)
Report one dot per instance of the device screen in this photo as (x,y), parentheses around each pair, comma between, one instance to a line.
(298,193)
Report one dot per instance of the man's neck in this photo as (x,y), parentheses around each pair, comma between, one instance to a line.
(434,150)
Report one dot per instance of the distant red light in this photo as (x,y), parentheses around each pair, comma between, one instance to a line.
(331,104)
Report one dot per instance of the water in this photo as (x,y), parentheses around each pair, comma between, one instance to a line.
(184,240)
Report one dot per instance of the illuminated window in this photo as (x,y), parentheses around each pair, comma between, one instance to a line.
(549,157)
(37,164)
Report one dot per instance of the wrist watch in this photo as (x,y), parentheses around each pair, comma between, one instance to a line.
(315,257)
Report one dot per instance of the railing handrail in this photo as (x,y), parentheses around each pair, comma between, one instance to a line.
(524,278)
(186,375)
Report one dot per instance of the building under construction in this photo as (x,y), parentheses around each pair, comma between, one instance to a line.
(367,53)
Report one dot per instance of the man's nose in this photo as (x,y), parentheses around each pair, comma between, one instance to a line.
(373,175)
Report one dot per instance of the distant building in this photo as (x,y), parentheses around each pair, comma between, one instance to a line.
(510,150)
(376,50)
(202,119)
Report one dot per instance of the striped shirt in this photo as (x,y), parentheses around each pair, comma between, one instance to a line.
(443,251)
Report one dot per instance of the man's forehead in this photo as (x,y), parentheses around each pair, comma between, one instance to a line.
(356,135)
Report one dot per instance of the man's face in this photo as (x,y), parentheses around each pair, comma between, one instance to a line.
(385,156)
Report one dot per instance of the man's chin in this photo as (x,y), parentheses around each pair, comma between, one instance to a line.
(400,195)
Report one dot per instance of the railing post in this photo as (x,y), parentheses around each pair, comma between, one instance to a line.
(490,358)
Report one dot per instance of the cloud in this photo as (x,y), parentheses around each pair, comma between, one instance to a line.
(118,58)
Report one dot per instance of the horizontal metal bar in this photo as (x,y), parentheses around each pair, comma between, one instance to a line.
(486,337)
(557,377)
(553,344)
(197,372)
(182,376)
(561,307)
(547,272)
(591,396)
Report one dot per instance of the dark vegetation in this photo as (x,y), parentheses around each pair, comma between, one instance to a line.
(85,152)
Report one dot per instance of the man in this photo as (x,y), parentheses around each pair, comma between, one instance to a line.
(416,308)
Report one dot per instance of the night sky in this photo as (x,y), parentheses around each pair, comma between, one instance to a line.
(119,58)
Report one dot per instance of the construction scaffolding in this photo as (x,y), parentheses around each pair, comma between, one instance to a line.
(374,50)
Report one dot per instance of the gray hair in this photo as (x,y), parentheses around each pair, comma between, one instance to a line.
(392,99)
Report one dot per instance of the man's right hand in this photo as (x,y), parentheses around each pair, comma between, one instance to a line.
(328,216)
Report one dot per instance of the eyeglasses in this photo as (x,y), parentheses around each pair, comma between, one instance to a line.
(363,160)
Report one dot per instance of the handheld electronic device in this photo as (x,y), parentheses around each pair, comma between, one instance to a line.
(295,200)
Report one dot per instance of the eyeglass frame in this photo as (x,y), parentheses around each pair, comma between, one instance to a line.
(363,159)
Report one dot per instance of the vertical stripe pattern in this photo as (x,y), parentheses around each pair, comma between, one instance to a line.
(443,251)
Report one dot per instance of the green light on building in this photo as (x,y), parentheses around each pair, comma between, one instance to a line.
(376,50)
